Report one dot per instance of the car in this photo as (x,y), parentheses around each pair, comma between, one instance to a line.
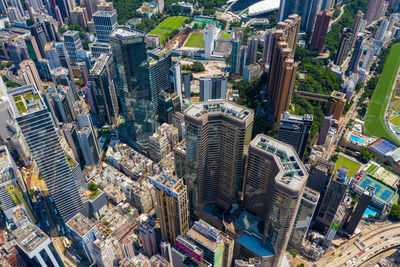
(382,237)
(340,255)
(348,253)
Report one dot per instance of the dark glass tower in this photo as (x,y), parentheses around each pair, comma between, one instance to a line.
(132,76)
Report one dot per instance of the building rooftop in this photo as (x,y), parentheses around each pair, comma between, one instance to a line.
(104,13)
(205,234)
(25,100)
(29,237)
(70,33)
(5,165)
(168,183)
(291,117)
(80,224)
(99,64)
(125,32)
(228,108)
(254,244)
(293,173)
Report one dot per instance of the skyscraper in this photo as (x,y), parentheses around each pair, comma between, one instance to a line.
(173,206)
(320,31)
(282,67)
(355,58)
(147,234)
(37,31)
(235,57)
(307,10)
(132,76)
(275,181)
(294,130)
(73,44)
(357,26)
(186,83)
(344,46)
(36,124)
(212,88)
(267,47)
(380,33)
(359,210)
(209,40)
(252,45)
(105,98)
(217,134)
(332,199)
(375,10)
(29,74)
(104,23)
(88,144)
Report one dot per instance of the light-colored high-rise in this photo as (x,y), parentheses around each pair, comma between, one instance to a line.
(29,74)
(36,124)
(274,186)
(173,206)
(217,136)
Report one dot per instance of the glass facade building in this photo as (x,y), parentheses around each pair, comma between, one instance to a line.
(132,76)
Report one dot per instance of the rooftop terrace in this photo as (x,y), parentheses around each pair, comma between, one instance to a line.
(29,237)
(80,224)
(294,173)
(25,100)
(168,183)
(228,108)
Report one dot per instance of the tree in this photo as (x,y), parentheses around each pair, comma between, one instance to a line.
(197,66)
(29,22)
(395,212)
(92,186)
(335,157)
(365,155)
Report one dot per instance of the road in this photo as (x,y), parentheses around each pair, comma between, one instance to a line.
(12,77)
(335,20)
(371,238)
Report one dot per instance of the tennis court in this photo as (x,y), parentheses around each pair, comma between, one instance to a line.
(382,191)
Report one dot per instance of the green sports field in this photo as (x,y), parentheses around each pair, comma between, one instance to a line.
(395,120)
(374,120)
(162,32)
(172,23)
(195,40)
(351,165)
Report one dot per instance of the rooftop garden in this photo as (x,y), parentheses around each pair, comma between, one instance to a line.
(71,161)
(93,190)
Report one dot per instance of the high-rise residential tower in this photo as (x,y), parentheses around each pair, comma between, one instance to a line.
(344,46)
(132,76)
(173,205)
(357,53)
(307,9)
(212,88)
(29,74)
(104,23)
(73,44)
(357,26)
(273,190)
(252,45)
(235,57)
(294,130)
(282,66)
(320,31)
(36,124)
(217,135)
(376,9)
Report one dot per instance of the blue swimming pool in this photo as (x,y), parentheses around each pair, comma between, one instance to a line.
(370,211)
(357,139)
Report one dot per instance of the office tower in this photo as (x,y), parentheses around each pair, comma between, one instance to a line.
(73,44)
(159,74)
(33,49)
(173,209)
(44,144)
(216,245)
(267,48)
(282,67)
(18,5)
(14,14)
(243,54)
(252,45)
(91,7)
(355,58)
(360,208)
(217,136)
(147,234)
(79,16)
(186,83)
(336,104)
(380,33)
(36,4)
(29,74)
(35,246)
(37,31)
(273,189)
(167,105)
(320,31)
(326,124)
(357,26)
(294,130)
(83,233)
(235,57)
(376,9)
(307,10)
(212,88)
(332,199)
(304,216)
(104,92)
(51,56)
(176,78)
(89,146)
(344,46)
(130,59)
(209,40)
(104,23)
(62,55)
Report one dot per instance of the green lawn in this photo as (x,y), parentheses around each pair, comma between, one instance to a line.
(395,120)
(374,120)
(195,40)
(371,169)
(226,36)
(351,165)
(172,23)
(162,32)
